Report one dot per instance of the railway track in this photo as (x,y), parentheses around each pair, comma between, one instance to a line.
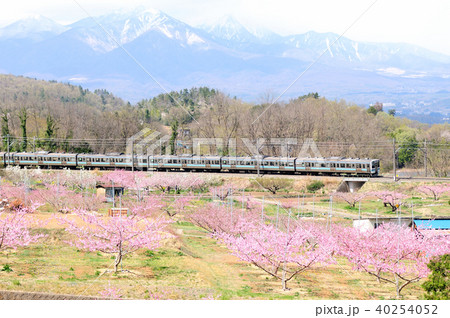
(384,178)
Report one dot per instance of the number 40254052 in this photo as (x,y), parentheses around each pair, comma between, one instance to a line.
(405,309)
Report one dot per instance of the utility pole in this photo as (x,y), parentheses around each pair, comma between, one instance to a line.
(426,158)
(7,140)
(394,161)
(132,155)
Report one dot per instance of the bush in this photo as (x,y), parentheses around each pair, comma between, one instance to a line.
(6,268)
(438,286)
(274,184)
(315,185)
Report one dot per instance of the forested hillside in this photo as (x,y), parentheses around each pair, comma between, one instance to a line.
(85,121)
(65,111)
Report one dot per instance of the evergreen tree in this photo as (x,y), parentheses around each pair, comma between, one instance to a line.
(438,286)
(5,130)
(173,136)
(50,133)
(23,116)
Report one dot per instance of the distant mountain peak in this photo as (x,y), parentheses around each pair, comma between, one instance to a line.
(228,28)
(127,26)
(34,27)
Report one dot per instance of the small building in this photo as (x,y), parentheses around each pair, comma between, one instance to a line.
(438,226)
(373,223)
(434,224)
(109,191)
(441,224)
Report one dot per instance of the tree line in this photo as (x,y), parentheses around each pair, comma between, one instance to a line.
(54,116)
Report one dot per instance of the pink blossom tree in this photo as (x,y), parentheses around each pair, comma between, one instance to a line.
(350,197)
(19,198)
(391,198)
(177,205)
(215,218)
(171,181)
(393,254)
(15,230)
(282,254)
(436,190)
(119,236)
(60,198)
(223,191)
(148,206)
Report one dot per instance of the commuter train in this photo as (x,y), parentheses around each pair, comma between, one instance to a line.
(311,166)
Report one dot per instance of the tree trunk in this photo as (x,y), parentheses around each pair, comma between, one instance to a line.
(117,261)
(397,286)
(284,283)
(283,280)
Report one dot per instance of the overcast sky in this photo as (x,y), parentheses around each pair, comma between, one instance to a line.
(425,23)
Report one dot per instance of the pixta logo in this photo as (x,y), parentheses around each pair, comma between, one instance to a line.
(149,142)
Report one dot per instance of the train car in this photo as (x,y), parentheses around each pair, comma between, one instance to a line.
(189,163)
(48,159)
(316,166)
(89,161)
(374,167)
(336,166)
(141,162)
(118,161)
(278,164)
(239,164)
(3,159)
(25,159)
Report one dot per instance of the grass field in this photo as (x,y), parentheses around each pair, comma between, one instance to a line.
(192,265)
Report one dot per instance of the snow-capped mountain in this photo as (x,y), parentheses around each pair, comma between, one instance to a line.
(36,28)
(118,51)
(106,33)
(228,29)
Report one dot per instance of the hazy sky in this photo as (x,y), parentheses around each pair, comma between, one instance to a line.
(425,23)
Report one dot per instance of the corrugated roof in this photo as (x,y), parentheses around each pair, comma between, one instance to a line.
(433,224)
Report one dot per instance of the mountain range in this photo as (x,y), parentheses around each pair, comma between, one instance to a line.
(141,53)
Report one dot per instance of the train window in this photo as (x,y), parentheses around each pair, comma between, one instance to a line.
(322,165)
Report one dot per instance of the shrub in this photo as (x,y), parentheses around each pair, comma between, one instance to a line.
(274,184)
(438,286)
(6,268)
(314,186)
